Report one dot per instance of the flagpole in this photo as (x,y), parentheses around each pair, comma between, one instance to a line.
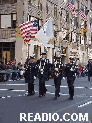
(27,43)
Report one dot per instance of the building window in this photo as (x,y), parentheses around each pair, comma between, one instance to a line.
(55,11)
(14,20)
(47,8)
(39,5)
(40,24)
(67,17)
(5,21)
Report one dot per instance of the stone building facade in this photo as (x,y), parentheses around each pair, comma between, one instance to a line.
(77,41)
(7,30)
(68,40)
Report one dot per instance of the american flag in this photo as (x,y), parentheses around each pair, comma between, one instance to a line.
(71,5)
(81,12)
(29,30)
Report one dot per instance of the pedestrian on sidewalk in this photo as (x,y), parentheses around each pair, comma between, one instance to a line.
(80,70)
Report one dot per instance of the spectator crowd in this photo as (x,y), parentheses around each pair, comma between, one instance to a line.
(16,72)
(11,71)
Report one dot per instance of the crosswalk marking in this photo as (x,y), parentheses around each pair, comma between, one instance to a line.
(79,87)
(18,90)
(26,91)
(63,94)
(8,96)
(13,84)
(3,89)
(3,97)
(84,104)
(50,86)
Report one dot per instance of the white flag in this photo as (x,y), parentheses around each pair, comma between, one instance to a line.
(46,32)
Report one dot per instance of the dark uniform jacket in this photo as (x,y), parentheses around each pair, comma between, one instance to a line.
(43,68)
(30,72)
(70,71)
(89,66)
(58,69)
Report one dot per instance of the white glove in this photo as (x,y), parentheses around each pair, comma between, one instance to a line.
(56,69)
(63,78)
(34,77)
(71,69)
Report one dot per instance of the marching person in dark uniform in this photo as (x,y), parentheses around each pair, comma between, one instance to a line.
(70,74)
(58,68)
(89,65)
(43,74)
(30,72)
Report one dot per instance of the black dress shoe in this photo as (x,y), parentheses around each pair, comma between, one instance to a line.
(55,98)
(71,98)
(40,95)
(33,93)
(44,94)
(58,95)
(29,95)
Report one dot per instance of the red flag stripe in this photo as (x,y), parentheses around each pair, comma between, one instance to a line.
(83,15)
(25,27)
(26,24)
(70,6)
(28,30)
(32,36)
(25,33)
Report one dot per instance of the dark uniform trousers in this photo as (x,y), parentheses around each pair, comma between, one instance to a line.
(70,77)
(89,70)
(89,75)
(42,88)
(43,76)
(71,87)
(30,77)
(57,78)
(57,82)
(30,87)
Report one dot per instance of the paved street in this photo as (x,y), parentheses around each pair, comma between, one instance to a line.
(13,101)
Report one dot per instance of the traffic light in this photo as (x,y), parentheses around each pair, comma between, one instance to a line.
(80,32)
(85,30)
